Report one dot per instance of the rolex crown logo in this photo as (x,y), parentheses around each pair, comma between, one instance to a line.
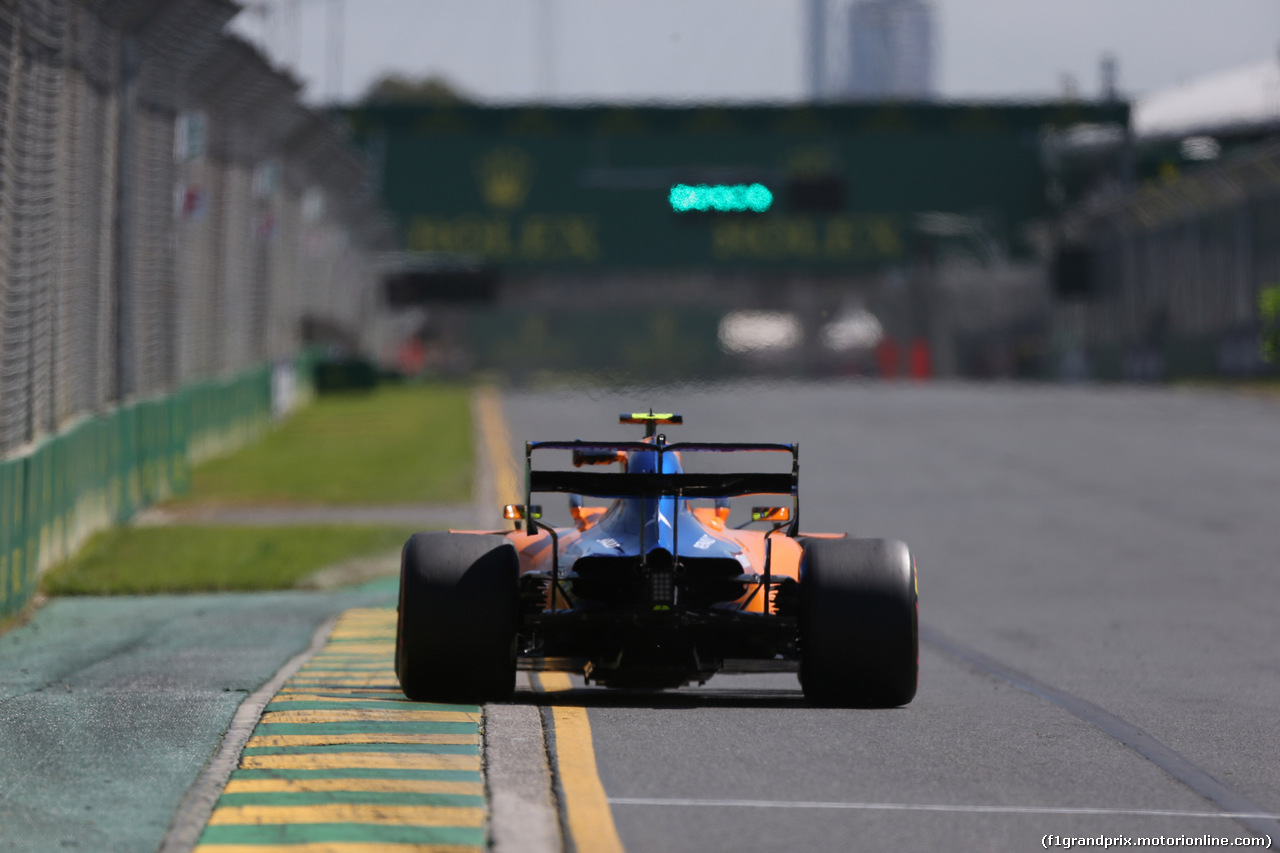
(505,176)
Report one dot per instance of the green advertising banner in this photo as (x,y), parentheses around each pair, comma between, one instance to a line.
(820,187)
(11,532)
(102,470)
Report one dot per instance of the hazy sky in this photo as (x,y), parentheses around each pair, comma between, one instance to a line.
(706,50)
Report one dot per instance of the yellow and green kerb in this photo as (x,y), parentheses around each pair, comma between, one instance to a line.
(341,761)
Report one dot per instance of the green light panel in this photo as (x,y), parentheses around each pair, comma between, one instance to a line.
(722,198)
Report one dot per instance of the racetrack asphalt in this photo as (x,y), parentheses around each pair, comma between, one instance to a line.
(1120,545)
(110,707)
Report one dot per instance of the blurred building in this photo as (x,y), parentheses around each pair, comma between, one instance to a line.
(891,50)
(1242,99)
(1174,271)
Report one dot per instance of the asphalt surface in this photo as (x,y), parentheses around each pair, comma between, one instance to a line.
(1121,546)
(110,708)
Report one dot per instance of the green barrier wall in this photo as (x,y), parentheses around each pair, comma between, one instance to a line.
(101,470)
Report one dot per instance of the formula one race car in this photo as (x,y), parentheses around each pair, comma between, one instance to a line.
(652,591)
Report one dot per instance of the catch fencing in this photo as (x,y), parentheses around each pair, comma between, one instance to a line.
(173,222)
(1180,279)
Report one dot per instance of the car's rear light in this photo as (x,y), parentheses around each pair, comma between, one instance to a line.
(662,587)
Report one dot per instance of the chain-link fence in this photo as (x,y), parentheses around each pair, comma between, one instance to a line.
(172,219)
(1171,280)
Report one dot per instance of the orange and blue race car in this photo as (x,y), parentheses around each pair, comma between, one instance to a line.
(653,588)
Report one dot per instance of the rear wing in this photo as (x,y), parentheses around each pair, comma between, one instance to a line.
(628,485)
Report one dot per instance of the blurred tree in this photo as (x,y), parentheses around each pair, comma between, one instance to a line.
(394,88)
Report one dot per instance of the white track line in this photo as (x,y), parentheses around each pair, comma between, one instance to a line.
(522,810)
(1233,803)
(929,807)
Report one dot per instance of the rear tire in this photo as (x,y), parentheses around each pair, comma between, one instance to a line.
(458,616)
(859,635)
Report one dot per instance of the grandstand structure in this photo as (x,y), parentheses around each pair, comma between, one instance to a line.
(1176,272)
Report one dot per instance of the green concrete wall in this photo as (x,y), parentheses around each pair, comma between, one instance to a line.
(103,469)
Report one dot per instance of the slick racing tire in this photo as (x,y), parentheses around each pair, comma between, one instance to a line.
(859,636)
(459,611)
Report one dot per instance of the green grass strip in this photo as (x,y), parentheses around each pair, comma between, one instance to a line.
(359,798)
(322,705)
(420,748)
(383,696)
(332,703)
(188,558)
(369,833)
(397,444)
